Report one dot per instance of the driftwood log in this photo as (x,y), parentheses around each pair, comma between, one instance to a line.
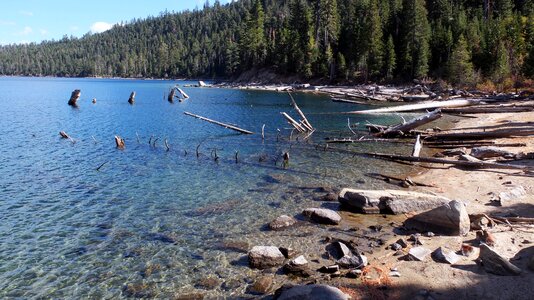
(232,127)
(471,164)
(418,107)
(131,100)
(184,95)
(304,121)
(74,97)
(500,133)
(406,127)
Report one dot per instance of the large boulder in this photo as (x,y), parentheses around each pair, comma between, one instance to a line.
(282,222)
(395,201)
(310,292)
(262,257)
(451,218)
(322,215)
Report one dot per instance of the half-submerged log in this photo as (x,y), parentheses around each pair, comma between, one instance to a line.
(395,201)
(119,142)
(172,93)
(64,135)
(416,107)
(74,97)
(184,95)
(131,100)
(412,124)
(304,121)
(232,127)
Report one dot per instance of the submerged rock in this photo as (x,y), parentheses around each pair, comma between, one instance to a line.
(282,222)
(261,285)
(207,283)
(322,215)
(262,257)
(298,266)
(496,264)
(394,201)
(310,292)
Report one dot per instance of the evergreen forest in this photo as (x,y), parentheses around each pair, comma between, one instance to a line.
(465,42)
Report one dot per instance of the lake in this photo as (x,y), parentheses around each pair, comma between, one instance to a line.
(154,222)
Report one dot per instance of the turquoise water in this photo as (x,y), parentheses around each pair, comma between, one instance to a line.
(151,217)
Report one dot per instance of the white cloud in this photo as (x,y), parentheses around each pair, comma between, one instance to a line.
(26,31)
(43,31)
(26,13)
(99,27)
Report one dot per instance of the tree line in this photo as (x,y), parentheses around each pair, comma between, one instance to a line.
(466,42)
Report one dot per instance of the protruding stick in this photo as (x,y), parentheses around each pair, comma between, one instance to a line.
(119,142)
(232,127)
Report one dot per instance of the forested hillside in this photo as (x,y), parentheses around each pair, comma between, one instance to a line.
(463,41)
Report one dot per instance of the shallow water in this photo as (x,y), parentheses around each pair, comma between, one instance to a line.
(152,218)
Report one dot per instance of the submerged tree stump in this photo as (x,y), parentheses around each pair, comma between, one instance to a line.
(74,97)
(131,100)
(119,142)
(171,96)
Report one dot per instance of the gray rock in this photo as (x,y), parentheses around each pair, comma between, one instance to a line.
(513,193)
(350,262)
(343,249)
(419,253)
(322,215)
(296,265)
(395,201)
(450,218)
(402,243)
(446,255)
(396,247)
(288,252)
(496,264)
(329,269)
(282,222)
(262,257)
(329,197)
(310,292)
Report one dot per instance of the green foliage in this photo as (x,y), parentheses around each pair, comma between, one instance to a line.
(334,39)
(461,69)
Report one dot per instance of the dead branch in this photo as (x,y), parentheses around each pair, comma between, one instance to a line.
(231,127)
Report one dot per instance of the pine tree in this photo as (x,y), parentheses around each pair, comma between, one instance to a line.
(375,44)
(390,59)
(415,51)
(460,67)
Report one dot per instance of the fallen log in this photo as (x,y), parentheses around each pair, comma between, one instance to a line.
(501,133)
(349,101)
(293,123)
(232,127)
(419,106)
(470,164)
(182,93)
(407,180)
(412,124)
(305,121)
(131,100)
(487,110)
(452,146)
(74,97)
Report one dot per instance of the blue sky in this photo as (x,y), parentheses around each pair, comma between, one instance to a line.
(24,21)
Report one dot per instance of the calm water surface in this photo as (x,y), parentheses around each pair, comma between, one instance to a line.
(150,218)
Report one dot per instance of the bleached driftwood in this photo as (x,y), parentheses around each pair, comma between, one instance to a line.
(232,127)
(418,145)
(419,106)
(412,124)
